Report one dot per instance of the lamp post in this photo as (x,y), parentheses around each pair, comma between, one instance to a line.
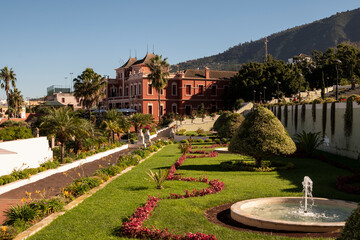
(278,89)
(300,75)
(264,94)
(254,95)
(71,81)
(337,62)
(327,80)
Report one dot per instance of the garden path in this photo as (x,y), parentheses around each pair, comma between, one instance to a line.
(53,184)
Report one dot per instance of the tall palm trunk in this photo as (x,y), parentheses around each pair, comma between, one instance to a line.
(7,98)
(62,152)
(159,104)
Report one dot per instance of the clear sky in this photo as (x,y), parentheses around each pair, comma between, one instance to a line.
(46,40)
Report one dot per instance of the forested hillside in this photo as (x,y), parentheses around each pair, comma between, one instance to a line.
(318,35)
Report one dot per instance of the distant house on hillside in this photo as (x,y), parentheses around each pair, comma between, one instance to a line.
(300,58)
(186,90)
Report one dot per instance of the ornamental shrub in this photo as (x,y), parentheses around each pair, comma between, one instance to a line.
(47,206)
(12,123)
(20,212)
(352,226)
(227,124)
(82,185)
(309,141)
(261,135)
(13,133)
(8,179)
(158,177)
(140,152)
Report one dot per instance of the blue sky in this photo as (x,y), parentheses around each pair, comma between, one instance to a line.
(44,41)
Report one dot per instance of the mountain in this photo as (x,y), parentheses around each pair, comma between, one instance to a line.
(318,35)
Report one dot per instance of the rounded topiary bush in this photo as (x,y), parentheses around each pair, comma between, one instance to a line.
(227,123)
(352,226)
(260,135)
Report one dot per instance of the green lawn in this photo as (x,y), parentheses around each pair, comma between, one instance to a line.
(99,216)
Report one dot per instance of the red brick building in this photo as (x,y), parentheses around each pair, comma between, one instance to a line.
(185,91)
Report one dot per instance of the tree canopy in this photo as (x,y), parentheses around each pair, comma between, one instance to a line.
(8,78)
(89,88)
(275,77)
(260,135)
(227,123)
(255,76)
(15,102)
(63,124)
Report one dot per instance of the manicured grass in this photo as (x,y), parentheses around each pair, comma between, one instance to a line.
(99,216)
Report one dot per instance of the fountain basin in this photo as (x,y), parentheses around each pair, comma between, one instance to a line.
(258,213)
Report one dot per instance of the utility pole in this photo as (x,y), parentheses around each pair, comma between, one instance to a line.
(266,49)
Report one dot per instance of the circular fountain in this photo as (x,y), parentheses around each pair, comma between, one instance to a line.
(298,214)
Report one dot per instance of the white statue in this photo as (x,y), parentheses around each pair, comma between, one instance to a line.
(140,137)
(147,136)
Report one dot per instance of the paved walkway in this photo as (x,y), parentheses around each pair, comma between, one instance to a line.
(54,183)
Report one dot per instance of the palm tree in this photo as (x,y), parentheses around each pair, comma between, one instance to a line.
(15,102)
(159,73)
(89,87)
(138,120)
(111,127)
(8,77)
(61,123)
(84,130)
(115,123)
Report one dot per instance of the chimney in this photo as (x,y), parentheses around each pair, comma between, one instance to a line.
(207,72)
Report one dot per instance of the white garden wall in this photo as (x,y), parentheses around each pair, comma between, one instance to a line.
(25,153)
(337,143)
(193,125)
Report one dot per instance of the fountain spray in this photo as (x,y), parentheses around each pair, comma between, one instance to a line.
(307,190)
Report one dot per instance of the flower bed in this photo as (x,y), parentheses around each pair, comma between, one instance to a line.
(134,227)
(345,184)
